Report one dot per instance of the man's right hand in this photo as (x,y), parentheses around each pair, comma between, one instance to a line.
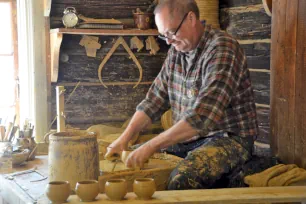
(114,149)
(138,122)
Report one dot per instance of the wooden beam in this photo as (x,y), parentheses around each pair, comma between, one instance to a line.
(233,195)
(300,102)
(16,59)
(60,103)
(48,69)
(125,32)
(106,83)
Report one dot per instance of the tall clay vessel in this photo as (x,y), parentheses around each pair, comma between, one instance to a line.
(73,157)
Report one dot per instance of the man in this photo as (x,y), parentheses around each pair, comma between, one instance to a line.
(206,83)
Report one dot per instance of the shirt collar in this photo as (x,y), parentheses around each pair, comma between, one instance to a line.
(201,43)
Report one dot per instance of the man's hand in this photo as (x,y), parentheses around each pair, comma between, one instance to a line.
(114,149)
(140,156)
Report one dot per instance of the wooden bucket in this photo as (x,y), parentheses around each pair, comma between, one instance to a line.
(209,11)
(73,157)
(159,167)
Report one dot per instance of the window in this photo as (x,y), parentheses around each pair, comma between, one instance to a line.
(8,57)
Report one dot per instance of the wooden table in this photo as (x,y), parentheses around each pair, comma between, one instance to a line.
(13,194)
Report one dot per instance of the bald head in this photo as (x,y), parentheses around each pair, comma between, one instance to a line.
(178,8)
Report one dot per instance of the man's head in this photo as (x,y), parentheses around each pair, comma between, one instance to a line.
(178,21)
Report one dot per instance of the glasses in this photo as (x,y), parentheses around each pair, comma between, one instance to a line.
(171,35)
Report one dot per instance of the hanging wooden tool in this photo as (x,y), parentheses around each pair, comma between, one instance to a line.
(91,45)
(99,23)
(120,41)
(93,20)
(152,45)
(135,42)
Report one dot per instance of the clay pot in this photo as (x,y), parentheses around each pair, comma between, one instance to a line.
(28,143)
(20,156)
(144,188)
(143,21)
(166,120)
(73,157)
(58,191)
(87,190)
(24,143)
(116,189)
(33,149)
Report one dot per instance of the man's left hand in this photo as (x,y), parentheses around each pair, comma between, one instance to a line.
(140,156)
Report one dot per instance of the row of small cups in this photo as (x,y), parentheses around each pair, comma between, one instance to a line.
(115,189)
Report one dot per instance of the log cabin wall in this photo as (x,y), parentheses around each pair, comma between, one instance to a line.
(247,21)
(92,104)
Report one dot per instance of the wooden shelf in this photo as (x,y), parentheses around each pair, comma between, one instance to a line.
(106,83)
(108,32)
(56,37)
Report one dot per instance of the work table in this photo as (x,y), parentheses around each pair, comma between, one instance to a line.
(12,193)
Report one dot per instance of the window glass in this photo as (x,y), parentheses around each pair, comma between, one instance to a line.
(6,47)
(7,81)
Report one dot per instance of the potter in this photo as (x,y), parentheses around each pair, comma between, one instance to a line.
(205,82)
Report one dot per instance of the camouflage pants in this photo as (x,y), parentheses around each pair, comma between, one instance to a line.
(207,160)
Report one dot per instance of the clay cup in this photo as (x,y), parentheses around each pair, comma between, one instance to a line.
(58,191)
(144,188)
(87,190)
(116,189)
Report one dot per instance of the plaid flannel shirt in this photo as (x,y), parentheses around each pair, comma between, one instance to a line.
(214,95)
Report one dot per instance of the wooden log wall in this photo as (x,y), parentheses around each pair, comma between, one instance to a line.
(92,104)
(119,9)
(247,21)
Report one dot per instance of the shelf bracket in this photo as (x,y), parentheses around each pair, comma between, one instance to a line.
(120,41)
(47,7)
(55,43)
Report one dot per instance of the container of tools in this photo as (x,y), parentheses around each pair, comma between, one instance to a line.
(6,163)
(27,141)
(7,133)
